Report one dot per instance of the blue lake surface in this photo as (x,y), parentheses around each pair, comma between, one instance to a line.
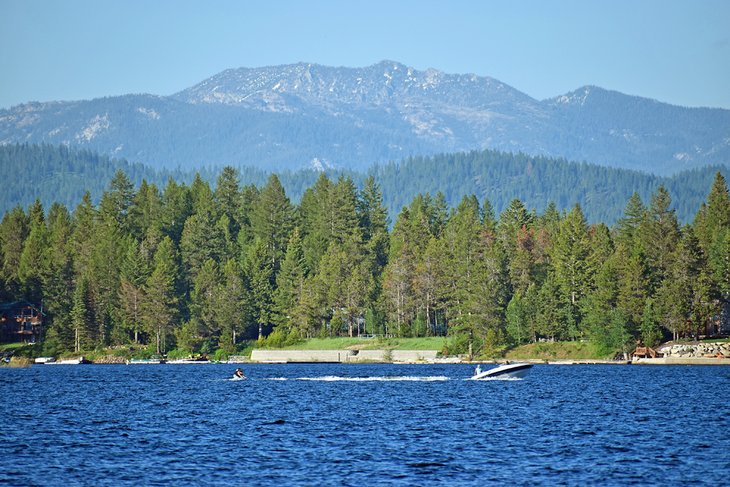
(374,424)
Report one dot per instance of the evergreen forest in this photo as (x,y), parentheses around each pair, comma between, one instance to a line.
(196,267)
(62,175)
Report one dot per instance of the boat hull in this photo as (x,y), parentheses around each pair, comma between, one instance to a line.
(508,371)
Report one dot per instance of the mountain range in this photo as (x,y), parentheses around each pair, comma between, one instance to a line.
(312,116)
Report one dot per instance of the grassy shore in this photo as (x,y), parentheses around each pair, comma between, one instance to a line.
(355,343)
(556,351)
(548,351)
(534,351)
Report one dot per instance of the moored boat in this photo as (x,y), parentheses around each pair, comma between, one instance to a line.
(145,361)
(189,361)
(70,361)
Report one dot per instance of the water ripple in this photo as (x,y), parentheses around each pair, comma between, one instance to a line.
(362,425)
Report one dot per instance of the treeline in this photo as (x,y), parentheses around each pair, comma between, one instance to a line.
(501,177)
(200,267)
(62,175)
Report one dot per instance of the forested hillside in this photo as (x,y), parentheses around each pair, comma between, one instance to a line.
(199,267)
(501,177)
(63,175)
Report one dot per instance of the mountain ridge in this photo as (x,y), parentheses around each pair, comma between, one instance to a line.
(310,115)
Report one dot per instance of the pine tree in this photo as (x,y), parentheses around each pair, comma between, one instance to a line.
(681,292)
(570,263)
(651,333)
(550,318)
(14,230)
(259,272)
(333,275)
(511,221)
(628,226)
(720,263)
(712,227)
(203,301)
(718,206)
(357,289)
(107,255)
(228,199)
(133,274)
(272,220)
(116,203)
(374,224)
(659,236)
(632,282)
(232,306)
(290,281)
(84,220)
(428,282)
(201,197)
(606,324)
(58,278)
(80,319)
(476,265)
(315,208)
(344,220)
(161,306)
(201,238)
(177,206)
(522,266)
(516,320)
(33,264)
(145,211)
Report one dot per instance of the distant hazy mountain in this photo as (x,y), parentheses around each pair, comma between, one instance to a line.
(311,116)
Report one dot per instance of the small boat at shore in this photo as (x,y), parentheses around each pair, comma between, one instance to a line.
(189,361)
(145,361)
(72,361)
(507,371)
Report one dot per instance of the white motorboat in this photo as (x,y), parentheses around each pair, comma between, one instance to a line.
(145,361)
(507,371)
(72,361)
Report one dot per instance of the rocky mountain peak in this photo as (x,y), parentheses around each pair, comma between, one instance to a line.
(295,115)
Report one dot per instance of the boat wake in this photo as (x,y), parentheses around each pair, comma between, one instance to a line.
(336,378)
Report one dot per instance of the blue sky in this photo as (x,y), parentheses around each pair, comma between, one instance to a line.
(670,50)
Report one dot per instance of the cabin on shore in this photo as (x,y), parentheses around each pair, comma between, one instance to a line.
(20,321)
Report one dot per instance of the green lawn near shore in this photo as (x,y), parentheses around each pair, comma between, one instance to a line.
(556,351)
(355,343)
(534,351)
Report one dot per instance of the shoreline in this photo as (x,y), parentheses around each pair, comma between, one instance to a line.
(385,356)
(442,361)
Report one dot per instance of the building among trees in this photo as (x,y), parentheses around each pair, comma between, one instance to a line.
(20,321)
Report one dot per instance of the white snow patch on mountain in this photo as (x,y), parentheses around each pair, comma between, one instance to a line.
(149,112)
(96,125)
(320,165)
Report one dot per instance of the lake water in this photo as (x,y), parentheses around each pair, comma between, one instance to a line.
(332,424)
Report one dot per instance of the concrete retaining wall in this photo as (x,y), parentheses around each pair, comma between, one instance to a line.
(343,356)
(683,361)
